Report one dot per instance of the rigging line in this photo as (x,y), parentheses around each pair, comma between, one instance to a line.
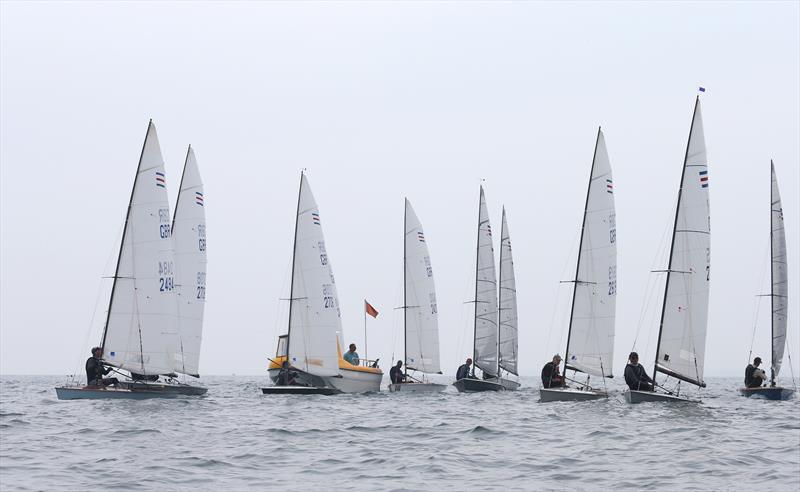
(575,245)
(757,301)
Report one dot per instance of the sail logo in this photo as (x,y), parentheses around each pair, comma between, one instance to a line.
(421,236)
(609,186)
(315,218)
(161,179)
(704,179)
(198,198)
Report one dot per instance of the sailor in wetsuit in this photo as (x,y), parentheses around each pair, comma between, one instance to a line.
(754,377)
(95,370)
(463,370)
(635,376)
(396,373)
(286,377)
(550,375)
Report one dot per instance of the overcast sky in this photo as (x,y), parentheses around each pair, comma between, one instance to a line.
(381,101)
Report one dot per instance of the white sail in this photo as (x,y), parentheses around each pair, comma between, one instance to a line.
(508,303)
(682,341)
(590,346)
(314,317)
(141,329)
(780,281)
(421,315)
(485,296)
(189,234)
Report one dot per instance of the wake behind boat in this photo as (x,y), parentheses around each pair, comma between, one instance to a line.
(590,337)
(153,326)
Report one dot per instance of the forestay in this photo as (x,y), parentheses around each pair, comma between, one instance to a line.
(508,303)
(780,282)
(421,315)
(314,317)
(141,328)
(189,234)
(682,339)
(590,344)
(485,296)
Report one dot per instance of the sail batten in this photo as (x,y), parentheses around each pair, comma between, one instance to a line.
(779,274)
(141,328)
(314,317)
(508,326)
(421,312)
(189,234)
(486,347)
(682,337)
(590,340)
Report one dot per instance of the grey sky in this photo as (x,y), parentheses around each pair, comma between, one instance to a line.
(380,101)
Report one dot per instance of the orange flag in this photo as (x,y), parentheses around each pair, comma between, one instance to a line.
(370,310)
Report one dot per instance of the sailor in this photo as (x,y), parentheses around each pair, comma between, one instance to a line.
(351,355)
(550,376)
(286,376)
(754,377)
(635,376)
(463,371)
(95,370)
(396,373)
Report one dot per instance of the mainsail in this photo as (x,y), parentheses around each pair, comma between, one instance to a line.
(141,328)
(508,303)
(684,318)
(590,342)
(314,317)
(486,350)
(780,282)
(189,234)
(421,315)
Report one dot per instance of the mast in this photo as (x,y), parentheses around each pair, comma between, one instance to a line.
(291,282)
(500,288)
(124,230)
(580,243)
(672,245)
(405,300)
(771,274)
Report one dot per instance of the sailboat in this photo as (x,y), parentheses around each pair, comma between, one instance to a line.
(420,313)
(590,339)
(680,351)
(486,341)
(779,297)
(141,332)
(312,345)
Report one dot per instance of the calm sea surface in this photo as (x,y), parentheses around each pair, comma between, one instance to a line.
(237,439)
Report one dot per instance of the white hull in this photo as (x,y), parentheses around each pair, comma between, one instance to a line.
(417,388)
(570,394)
(355,381)
(635,396)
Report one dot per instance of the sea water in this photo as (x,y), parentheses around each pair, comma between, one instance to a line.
(235,438)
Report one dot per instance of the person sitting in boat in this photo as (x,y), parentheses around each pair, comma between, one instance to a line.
(463,370)
(550,375)
(635,376)
(754,377)
(396,373)
(286,377)
(95,370)
(351,355)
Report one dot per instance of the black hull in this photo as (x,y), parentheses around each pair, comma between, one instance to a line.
(298,390)
(469,385)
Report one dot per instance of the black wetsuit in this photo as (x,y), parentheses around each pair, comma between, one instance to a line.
(463,372)
(637,379)
(95,370)
(286,377)
(396,375)
(750,380)
(550,376)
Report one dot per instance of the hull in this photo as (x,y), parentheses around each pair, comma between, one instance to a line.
(508,384)
(470,385)
(768,393)
(303,379)
(416,388)
(358,381)
(297,390)
(570,394)
(128,391)
(635,396)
